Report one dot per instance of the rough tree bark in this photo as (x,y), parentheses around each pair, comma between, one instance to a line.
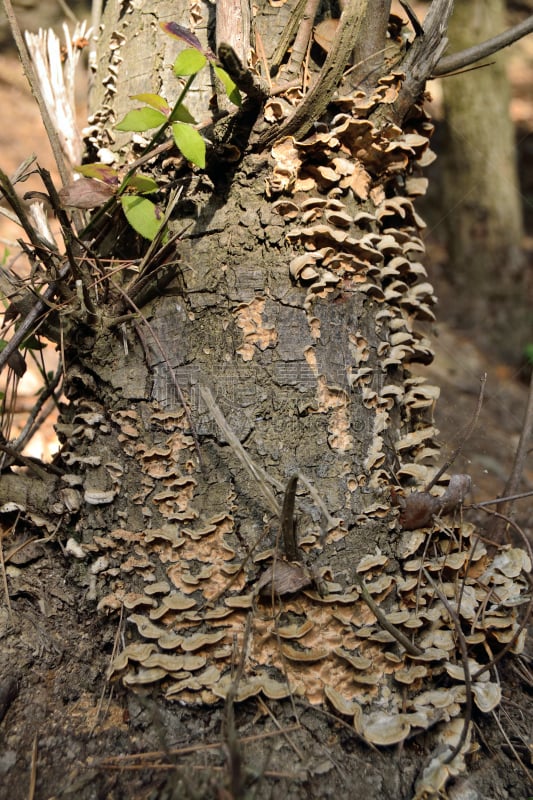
(244,450)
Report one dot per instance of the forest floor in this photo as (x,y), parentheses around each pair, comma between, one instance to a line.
(64,733)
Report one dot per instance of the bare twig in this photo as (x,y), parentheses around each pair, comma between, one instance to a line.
(318,97)
(301,42)
(472,54)
(465,436)
(233,749)
(368,53)
(527,615)
(38,95)
(466,669)
(288,32)
(27,325)
(33,769)
(400,637)
(420,59)
(513,482)
(4,573)
(288,526)
(251,467)
(127,760)
(32,423)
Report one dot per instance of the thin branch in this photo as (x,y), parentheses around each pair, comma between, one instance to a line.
(465,436)
(318,97)
(511,487)
(288,524)
(301,41)
(51,132)
(421,58)
(27,325)
(285,37)
(400,637)
(529,609)
(252,468)
(497,500)
(368,52)
(466,669)
(472,54)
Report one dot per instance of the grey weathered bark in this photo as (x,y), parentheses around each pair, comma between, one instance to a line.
(481,202)
(278,346)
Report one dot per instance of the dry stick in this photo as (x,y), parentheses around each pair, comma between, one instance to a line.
(318,97)
(527,771)
(266,710)
(258,474)
(466,669)
(465,436)
(234,756)
(33,424)
(287,34)
(419,62)
(400,637)
(33,769)
(121,762)
(302,39)
(519,460)
(478,51)
(509,498)
(27,324)
(51,132)
(288,526)
(114,651)
(4,573)
(529,609)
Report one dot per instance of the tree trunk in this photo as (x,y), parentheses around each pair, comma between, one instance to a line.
(481,204)
(237,448)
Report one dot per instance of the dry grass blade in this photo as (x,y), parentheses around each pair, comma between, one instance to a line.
(127,761)
(33,770)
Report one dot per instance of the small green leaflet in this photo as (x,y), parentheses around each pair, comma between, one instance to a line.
(229,85)
(154,100)
(144,216)
(143,184)
(182,114)
(189,62)
(189,143)
(141,119)
(102,172)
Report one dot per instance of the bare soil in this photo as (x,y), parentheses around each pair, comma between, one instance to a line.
(65,732)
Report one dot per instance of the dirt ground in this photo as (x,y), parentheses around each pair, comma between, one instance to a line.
(65,732)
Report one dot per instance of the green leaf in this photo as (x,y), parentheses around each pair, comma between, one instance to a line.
(153,100)
(141,119)
(101,172)
(143,184)
(182,114)
(3,344)
(190,143)
(189,62)
(528,352)
(32,343)
(229,85)
(144,216)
